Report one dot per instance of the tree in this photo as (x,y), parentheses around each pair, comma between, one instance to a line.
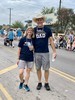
(0,26)
(64,17)
(17,24)
(46,10)
(73,22)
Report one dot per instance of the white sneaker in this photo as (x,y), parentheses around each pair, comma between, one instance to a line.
(13,46)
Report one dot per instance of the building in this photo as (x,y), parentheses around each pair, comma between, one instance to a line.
(50,19)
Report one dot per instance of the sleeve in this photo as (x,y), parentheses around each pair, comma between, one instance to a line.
(49,32)
(34,29)
(20,43)
(34,32)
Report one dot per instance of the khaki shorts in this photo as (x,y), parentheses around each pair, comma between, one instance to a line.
(42,60)
(24,64)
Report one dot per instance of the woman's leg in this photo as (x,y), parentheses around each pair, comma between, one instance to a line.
(27,75)
(21,66)
(21,71)
(27,79)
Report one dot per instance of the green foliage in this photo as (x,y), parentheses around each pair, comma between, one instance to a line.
(73,22)
(46,10)
(17,24)
(0,26)
(65,17)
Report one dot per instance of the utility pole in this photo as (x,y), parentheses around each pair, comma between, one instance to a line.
(10,16)
(59,5)
(59,14)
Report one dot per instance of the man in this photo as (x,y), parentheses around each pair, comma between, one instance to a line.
(42,35)
(11,37)
(19,34)
(71,37)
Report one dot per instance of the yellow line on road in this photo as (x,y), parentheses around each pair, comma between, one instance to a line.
(62,75)
(56,71)
(8,69)
(5,92)
(65,74)
(0,98)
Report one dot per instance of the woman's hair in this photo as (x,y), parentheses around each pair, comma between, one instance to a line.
(32,31)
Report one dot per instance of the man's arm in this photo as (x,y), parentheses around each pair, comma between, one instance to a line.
(53,46)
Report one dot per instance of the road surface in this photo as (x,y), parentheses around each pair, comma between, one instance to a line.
(61,80)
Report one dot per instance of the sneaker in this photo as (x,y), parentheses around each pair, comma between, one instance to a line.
(13,46)
(26,87)
(39,86)
(47,87)
(21,84)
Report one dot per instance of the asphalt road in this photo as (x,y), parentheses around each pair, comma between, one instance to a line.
(61,80)
(65,61)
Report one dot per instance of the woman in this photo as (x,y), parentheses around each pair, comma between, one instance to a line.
(25,58)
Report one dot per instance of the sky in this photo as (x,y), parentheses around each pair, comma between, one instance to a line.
(22,10)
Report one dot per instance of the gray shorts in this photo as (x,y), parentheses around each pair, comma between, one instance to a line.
(24,64)
(42,60)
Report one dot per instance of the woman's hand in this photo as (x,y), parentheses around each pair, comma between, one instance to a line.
(18,62)
(31,48)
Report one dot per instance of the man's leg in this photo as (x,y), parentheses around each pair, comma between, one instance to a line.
(46,66)
(10,42)
(39,74)
(46,75)
(38,63)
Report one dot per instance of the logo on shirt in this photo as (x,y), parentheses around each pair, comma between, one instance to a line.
(40,34)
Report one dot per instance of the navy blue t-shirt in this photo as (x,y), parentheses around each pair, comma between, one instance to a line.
(41,39)
(25,53)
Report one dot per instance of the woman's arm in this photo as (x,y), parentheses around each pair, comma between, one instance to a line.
(19,50)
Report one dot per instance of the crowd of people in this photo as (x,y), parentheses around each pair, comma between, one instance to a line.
(66,41)
(17,32)
(10,35)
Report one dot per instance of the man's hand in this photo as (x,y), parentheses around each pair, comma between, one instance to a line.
(54,55)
